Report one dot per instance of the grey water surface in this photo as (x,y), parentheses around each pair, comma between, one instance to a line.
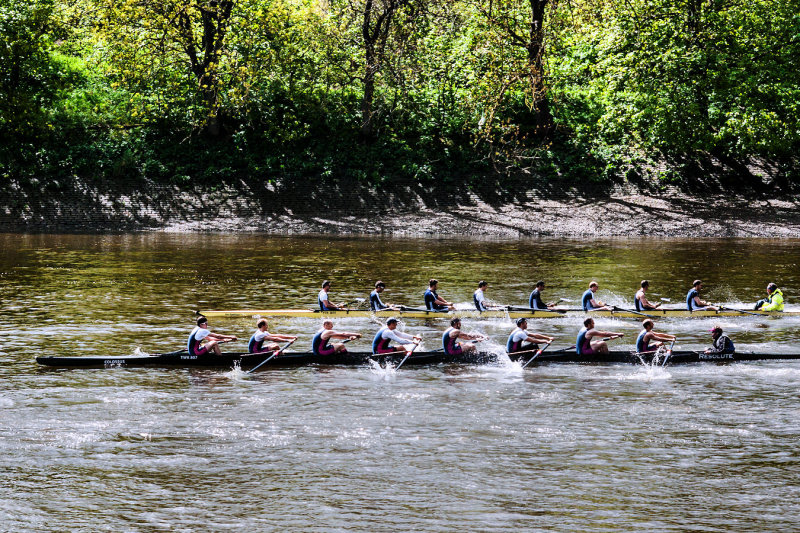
(706,447)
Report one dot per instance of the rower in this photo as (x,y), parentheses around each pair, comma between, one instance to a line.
(773,301)
(375,302)
(521,335)
(693,301)
(479,297)
(451,336)
(722,343)
(535,299)
(261,335)
(432,300)
(320,344)
(584,345)
(647,334)
(388,333)
(589,303)
(322,298)
(640,300)
(200,333)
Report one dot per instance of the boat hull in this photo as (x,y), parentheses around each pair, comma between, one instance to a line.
(246,361)
(466,313)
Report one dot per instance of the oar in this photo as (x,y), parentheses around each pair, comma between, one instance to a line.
(669,352)
(739,311)
(359,300)
(520,308)
(631,311)
(537,354)
(406,308)
(408,354)
(268,359)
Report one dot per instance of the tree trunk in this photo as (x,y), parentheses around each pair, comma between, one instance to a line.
(536,48)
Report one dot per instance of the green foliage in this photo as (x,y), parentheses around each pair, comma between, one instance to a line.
(181,91)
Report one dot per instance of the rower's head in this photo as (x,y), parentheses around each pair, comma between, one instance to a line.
(261,324)
(593,286)
(540,284)
(522,323)
(433,283)
(698,284)
(645,284)
(202,322)
(391,323)
(456,323)
(772,287)
(647,324)
(327,324)
(483,284)
(716,331)
(379,286)
(326,285)
(588,323)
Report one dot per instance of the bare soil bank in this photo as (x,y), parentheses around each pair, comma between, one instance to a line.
(617,210)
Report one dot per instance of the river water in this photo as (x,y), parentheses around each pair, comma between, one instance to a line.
(707,447)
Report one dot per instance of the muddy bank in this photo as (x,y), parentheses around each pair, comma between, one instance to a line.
(617,210)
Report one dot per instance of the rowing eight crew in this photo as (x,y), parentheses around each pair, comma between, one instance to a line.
(434,302)
(589,340)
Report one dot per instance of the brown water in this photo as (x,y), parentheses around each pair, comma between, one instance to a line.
(701,447)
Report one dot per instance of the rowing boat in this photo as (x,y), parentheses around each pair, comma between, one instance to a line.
(471,313)
(246,360)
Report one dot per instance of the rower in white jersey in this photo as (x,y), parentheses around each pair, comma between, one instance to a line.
(322,298)
(523,340)
(261,335)
(201,333)
(388,333)
(479,297)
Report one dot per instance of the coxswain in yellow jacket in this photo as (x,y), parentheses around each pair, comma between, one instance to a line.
(773,301)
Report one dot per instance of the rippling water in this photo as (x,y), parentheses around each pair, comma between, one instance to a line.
(700,447)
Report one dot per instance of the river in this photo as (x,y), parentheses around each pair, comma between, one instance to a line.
(706,447)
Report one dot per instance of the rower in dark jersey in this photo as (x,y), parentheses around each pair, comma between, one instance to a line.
(535,299)
(261,335)
(589,303)
(451,335)
(200,333)
(389,333)
(647,334)
(375,302)
(432,300)
(321,345)
(722,343)
(584,345)
(640,301)
(520,336)
(693,301)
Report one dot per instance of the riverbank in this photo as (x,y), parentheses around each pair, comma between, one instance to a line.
(616,210)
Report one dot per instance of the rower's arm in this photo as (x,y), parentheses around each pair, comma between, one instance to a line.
(536,337)
(664,337)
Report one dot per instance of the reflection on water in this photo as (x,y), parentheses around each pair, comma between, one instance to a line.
(481,448)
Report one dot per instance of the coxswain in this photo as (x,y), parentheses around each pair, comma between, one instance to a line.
(584,345)
(201,333)
(693,301)
(453,333)
(375,302)
(722,343)
(589,303)
(773,301)
(388,333)
(535,299)
(640,300)
(321,345)
(261,335)
(647,334)
(479,297)
(520,336)
(322,298)
(432,300)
